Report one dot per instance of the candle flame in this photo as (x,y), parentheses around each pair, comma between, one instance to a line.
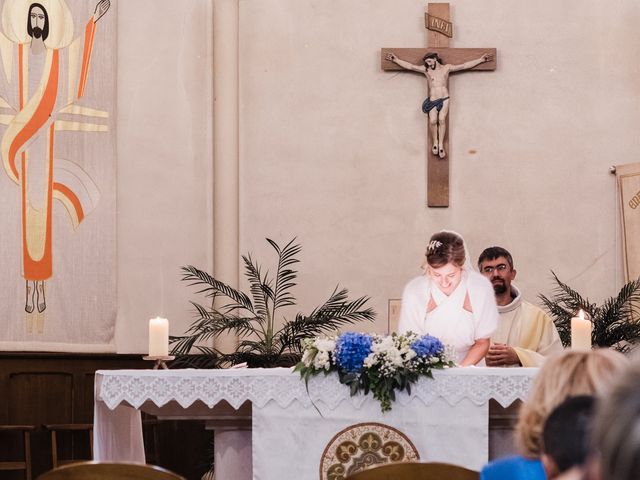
(581,314)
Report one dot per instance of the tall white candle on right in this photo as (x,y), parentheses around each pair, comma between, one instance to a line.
(580,333)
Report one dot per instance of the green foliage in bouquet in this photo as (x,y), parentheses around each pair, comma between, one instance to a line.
(253,317)
(616,323)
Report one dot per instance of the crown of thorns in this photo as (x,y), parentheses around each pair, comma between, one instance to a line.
(433,246)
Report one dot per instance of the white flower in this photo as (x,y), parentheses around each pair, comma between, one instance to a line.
(307,357)
(384,344)
(321,360)
(410,354)
(371,360)
(325,344)
(394,357)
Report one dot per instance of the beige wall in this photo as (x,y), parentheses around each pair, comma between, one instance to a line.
(164,160)
(332,149)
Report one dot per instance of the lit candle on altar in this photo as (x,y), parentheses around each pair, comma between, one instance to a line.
(158,337)
(580,332)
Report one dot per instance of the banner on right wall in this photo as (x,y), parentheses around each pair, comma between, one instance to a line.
(628,177)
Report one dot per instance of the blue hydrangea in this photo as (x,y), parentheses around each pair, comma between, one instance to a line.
(427,346)
(351,350)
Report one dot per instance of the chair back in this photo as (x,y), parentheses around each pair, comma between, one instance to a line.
(111,471)
(416,471)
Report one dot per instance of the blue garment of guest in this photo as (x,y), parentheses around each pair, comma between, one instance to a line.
(513,468)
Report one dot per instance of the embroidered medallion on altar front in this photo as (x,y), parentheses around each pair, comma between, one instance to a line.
(362,446)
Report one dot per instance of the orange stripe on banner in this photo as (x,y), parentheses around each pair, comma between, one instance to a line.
(72,197)
(40,269)
(23,186)
(86,55)
(42,113)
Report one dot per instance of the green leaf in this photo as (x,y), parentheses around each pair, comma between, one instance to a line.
(212,286)
(261,344)
(616,322)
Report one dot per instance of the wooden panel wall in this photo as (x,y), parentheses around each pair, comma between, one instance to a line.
(46,388)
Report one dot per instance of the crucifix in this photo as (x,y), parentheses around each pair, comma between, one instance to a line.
(436,62)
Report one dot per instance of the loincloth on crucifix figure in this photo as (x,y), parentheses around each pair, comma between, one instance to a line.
(436,105)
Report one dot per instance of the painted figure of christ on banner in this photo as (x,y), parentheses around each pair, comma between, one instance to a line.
(47,153)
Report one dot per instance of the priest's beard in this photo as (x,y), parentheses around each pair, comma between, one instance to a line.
(499,288)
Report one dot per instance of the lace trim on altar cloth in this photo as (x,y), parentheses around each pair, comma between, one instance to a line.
(281,385)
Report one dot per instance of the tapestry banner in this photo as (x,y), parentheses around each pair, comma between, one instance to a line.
(628,177)
(58,184)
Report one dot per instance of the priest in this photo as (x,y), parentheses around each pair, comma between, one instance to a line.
(525,335)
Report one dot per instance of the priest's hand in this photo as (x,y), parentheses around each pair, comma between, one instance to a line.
(501,355)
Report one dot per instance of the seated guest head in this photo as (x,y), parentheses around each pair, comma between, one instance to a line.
(567,436)
(567,374)
(617,428)
(445,258)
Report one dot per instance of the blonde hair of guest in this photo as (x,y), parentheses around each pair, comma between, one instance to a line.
(562,376)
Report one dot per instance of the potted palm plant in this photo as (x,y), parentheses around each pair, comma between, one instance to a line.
(616,323)
(265,338)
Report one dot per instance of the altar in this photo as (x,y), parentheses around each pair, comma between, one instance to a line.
(269,425)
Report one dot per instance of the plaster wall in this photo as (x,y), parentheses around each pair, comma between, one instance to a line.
(333,148)
(165,207)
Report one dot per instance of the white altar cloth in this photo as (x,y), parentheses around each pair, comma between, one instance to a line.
(445,418)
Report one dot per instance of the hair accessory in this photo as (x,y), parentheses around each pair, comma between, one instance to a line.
(433,245)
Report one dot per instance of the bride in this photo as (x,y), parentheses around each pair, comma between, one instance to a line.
(451,301)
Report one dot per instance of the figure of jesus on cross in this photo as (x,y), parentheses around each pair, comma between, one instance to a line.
(436,105)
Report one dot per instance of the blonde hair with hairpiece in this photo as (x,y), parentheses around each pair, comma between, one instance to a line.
(562,376)
(445,247)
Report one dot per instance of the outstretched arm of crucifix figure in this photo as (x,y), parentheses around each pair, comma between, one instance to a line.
(487,57)
(406,65)
(101,9)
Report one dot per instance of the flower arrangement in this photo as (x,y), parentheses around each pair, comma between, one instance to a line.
(374,363)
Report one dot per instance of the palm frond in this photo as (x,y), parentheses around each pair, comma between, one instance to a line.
(561,317)
(260,289)
(259,346)
(212,287)
(334,314)
(285,276)
(206,329)
(625,305)
(616,323)
(571,299)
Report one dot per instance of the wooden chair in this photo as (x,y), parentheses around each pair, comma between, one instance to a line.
(71,428)
(416,471)
(25,462)
(109,471)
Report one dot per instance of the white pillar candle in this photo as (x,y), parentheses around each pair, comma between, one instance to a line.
(580,333)
(158,337)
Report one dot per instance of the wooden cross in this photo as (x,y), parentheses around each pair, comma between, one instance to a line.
(439,30)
